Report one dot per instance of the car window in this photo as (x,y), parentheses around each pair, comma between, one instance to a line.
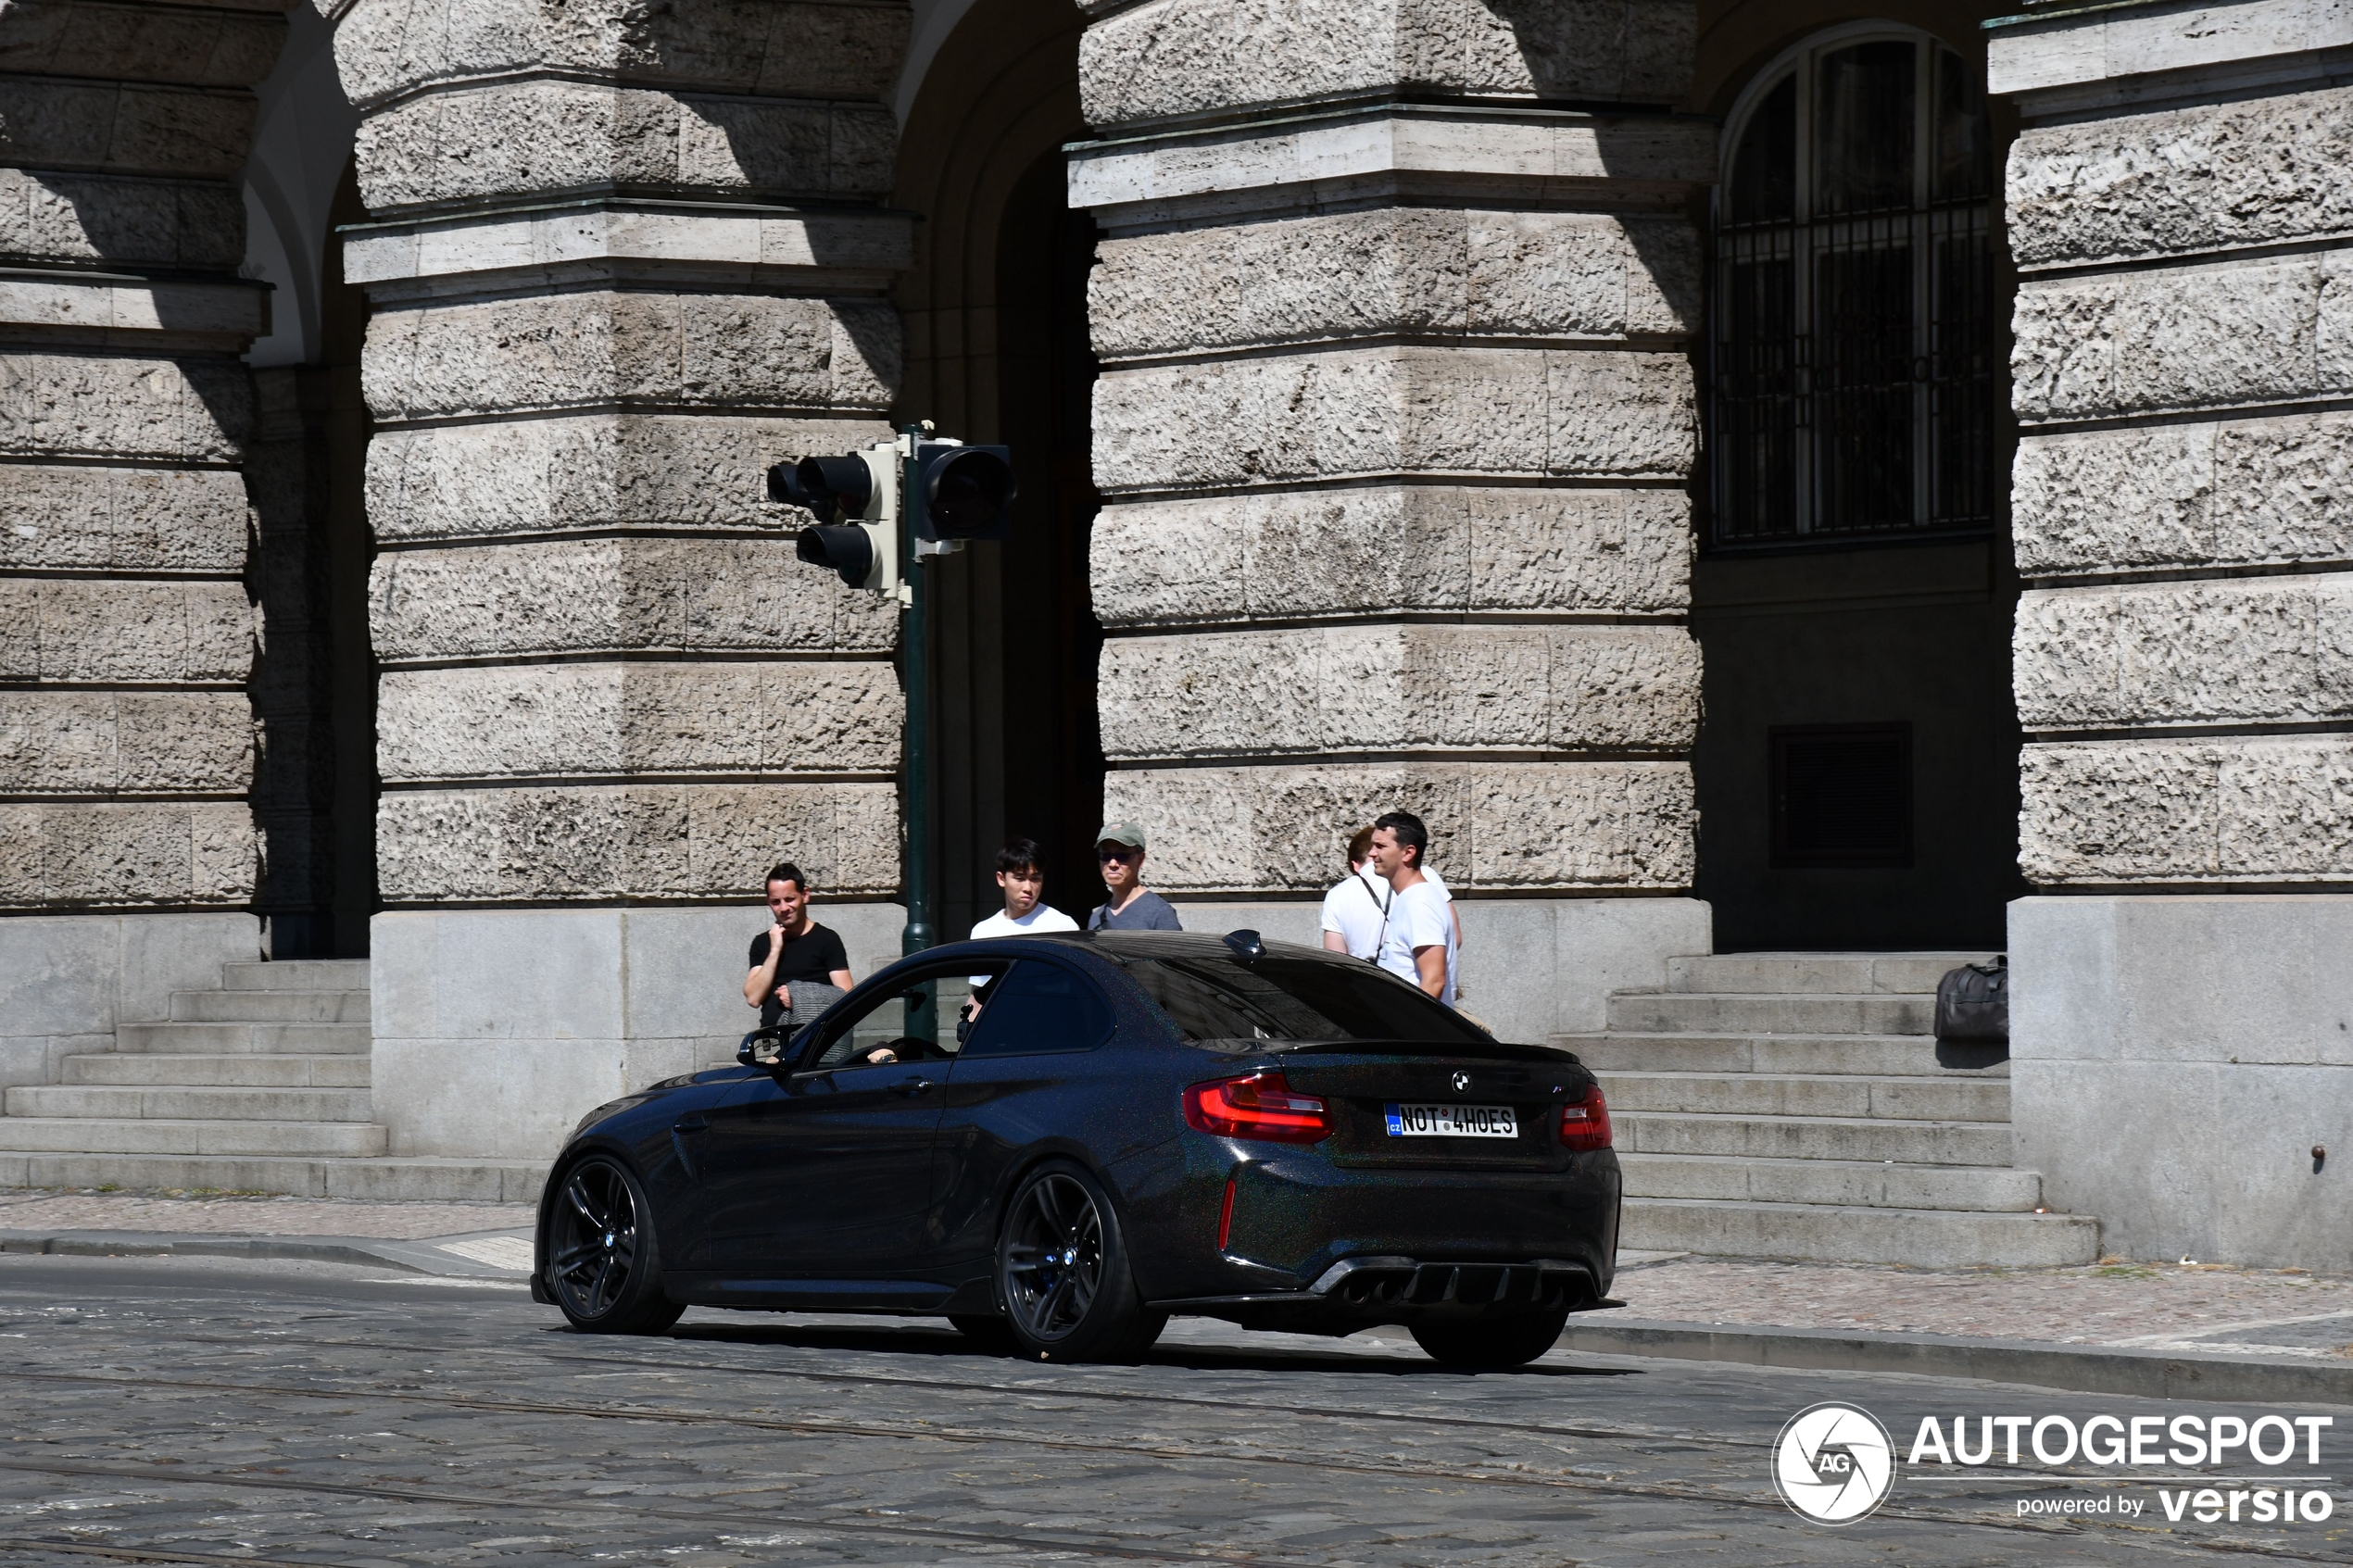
(1040,1007)
(915,1021)
(1278,999)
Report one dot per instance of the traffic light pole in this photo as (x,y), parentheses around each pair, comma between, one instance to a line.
(922,892)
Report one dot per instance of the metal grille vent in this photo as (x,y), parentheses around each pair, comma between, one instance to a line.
(1842,795)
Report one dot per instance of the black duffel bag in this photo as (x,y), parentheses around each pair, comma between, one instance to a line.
(1973,1001)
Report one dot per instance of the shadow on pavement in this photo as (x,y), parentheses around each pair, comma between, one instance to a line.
(925,1340)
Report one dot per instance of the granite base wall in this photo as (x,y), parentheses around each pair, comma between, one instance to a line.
(2173,1062)
(497,1029)
(66,981)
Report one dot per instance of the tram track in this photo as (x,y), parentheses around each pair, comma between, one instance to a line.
(1500,1474)
(11,1546)
(506,1504)
(1059,1391)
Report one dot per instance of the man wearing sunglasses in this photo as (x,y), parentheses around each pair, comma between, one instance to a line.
(1119,850)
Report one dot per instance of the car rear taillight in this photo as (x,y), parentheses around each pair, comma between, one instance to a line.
(1585,1123)
(1259,1105)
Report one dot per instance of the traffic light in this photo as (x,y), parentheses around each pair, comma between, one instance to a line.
(967,492)
(960,494)
(856,499)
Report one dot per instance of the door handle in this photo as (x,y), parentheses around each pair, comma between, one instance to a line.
(691,1125)
(910,1087)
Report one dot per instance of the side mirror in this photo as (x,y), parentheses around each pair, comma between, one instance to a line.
(763,1047)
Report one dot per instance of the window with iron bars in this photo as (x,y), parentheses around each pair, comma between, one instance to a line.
(1856,375)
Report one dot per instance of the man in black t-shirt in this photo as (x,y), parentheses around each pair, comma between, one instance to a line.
(795,947)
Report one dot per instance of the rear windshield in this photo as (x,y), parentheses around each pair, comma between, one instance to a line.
(1279,998)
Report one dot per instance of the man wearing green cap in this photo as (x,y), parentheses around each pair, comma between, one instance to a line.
(1119,850)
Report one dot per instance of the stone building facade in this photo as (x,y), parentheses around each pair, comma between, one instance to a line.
(1410,412)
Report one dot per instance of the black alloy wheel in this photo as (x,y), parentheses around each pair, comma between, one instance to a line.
(604,1267)
(1492,1344)
(1063,1274)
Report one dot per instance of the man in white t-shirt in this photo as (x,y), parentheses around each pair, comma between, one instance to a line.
(1419,941)
(1356,908)
(1356,905)
(1024,884)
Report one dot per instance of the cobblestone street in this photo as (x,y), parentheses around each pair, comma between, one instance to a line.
(197,1410)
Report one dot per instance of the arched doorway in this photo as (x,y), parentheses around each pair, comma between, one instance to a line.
(1857,768)
(998,350)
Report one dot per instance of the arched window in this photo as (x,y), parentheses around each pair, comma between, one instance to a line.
(1856,383)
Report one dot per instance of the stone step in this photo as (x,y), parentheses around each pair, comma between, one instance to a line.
(182,1102)
(93,1135)
(270,1007)
(1927,1239)
(213,1039)
(296,974)
(1814,1137)
(1878,1056)
(1853,1183)
(1759,1094)
(384,1180)
(1683,1013)
(1851,973)
(245,1070)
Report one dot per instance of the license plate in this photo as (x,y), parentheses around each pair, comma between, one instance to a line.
(1452,1121)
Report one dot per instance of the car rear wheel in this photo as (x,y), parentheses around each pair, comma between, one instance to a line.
(1492,1344)
(604,1265)
(1063,1273)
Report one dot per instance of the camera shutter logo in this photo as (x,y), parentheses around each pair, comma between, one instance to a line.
(1833,1463)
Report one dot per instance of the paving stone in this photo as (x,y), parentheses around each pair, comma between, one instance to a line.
(310,1412)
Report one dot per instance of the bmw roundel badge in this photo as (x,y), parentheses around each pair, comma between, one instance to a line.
(1462,1083)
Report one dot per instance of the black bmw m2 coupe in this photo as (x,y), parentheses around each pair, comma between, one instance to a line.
(1057,1142)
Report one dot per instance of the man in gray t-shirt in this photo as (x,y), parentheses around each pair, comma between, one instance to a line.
(1119,850)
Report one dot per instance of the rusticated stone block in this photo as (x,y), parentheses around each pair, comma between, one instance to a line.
(597,471)
(618,596)
(606,719)
(2211,177)
(125,855)
(106,743)
(80,628)
(125,128)
(2272,649)
(2262,809)
(135,519)
(1395,269)
(1175,57)
(1297,554)
(571,349)
(754,46)
(75,405)
(138,42)
(2132,343)
(1493,825)
(519,137)
(1400,688)
(2239,493)
(1372,411)
(679,841)
(76,218)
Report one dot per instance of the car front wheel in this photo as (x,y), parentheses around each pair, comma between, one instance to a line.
(603,1263)
(1063,1272)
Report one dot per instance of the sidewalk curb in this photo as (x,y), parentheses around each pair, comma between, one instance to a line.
(2086,1369)
(410,1256)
